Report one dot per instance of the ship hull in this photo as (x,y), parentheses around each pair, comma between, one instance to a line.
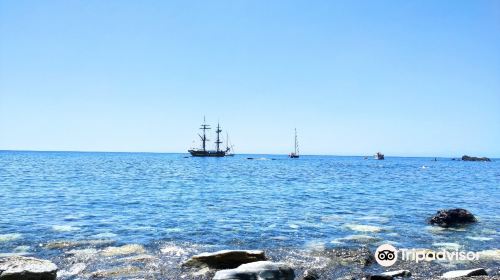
(201,153)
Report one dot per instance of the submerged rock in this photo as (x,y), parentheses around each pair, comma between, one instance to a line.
(310,275)
(379,277)
(397,273)
(117,272)
(73,270)
(349,256)
(261,270)
(63,244)
(123,250)
(24,268)
(464,273)
(468,158)
(226,258)
(452,217)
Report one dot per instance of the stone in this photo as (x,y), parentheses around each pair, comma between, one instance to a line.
(26,268)
(397,273)
(226,259)
(261,270)
(123,250)
(379,277)
(464,273)
(310,275)
(468,158)
(452,217)
(121,272)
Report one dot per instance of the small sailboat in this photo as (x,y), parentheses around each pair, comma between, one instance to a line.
(229,147)
(295,154)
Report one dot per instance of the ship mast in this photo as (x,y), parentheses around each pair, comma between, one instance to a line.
(203,137)
(218,142)
(296,143)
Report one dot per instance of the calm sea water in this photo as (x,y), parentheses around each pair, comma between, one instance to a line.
(239,203)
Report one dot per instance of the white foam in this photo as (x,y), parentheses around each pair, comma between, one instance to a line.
(64,228)
(315,245)
(479,238)
(21,249)
(493,254)
(447,245)
(10,237)
(363,228)
(294,226)
(331,218)
(104,235)
(173,250)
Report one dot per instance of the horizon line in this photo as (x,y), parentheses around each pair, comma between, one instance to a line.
(274,154)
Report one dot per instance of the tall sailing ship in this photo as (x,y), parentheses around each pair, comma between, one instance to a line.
(218,152)
(295,153)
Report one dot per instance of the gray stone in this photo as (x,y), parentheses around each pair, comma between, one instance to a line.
(464,273)
(25,268)
(226,259)
(398,273)
(262,270)
(310,275)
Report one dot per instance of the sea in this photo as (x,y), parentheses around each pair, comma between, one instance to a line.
(269,202)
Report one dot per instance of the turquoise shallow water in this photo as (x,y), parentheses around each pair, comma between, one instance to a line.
(271,202)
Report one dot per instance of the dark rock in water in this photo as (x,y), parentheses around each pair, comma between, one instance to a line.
(468,158)
(24,268)
(379,277)
(452,217)
(262,270)
(226,258)
(397,273)
(464,273)
(310,275)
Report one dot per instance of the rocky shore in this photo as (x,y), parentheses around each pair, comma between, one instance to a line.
(104,259)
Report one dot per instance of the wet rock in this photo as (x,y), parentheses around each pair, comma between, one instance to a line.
(226,258)
(63,244)
(24,268)
(452,217)
(397,273)
(468,158)
(123,250)
(310,275)
(142,258)
(379,277)
(261,270)
(73,270)
(464,273)
(120,272)
(348,256)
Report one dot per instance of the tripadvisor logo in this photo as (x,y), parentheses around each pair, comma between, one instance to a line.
(387,255)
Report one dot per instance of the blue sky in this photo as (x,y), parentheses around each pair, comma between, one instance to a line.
(418,78)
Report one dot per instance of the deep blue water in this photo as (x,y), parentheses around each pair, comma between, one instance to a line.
(239,203)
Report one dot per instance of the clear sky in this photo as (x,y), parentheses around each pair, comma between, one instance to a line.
(410,78)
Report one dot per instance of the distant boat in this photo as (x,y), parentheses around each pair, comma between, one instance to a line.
(379,156)
(229,147)
(203,152)
(295,154)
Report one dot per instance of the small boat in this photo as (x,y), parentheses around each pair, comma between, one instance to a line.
(379,156)
(203,152)
(295,154)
